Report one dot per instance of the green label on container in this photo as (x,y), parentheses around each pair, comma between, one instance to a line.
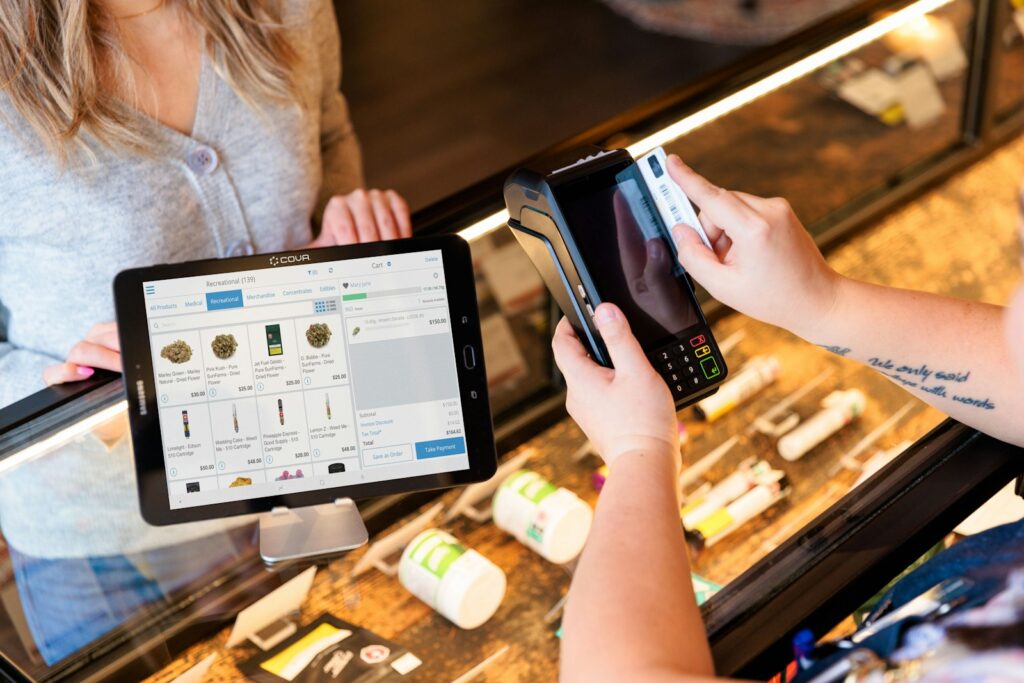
(530,486)
(438,558)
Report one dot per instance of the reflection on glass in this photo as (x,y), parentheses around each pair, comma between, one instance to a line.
(83,562)
(834,138)
(514,313)
(619,237)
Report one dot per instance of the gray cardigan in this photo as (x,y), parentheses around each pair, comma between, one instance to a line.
(244,181)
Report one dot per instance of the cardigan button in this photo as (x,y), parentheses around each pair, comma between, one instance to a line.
(202,160)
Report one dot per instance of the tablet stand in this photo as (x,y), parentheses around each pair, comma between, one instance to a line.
(306,532)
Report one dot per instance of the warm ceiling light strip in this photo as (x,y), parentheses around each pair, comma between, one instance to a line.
(55,441)
(732,102)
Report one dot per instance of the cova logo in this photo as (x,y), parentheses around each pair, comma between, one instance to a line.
(293,258)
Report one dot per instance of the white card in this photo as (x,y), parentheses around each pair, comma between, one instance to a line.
(673,205)
(872,92)
(920,96)
(942,50)
(406,663)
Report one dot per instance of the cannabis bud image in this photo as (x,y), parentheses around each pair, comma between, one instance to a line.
(240,481)
(224,346)
(355,330)
(318,335)
(177,352)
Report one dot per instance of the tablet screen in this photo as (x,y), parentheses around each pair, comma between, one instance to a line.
(305,376)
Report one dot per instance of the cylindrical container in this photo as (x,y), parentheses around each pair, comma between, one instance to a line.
(752,503)
(838,409)
(758,373)
(724,492)
(461,584)
(550,520)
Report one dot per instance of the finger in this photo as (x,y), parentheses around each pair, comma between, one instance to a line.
(101,328)
(66,372)
(95,356)
(338,225)
(572,359)
(386,224)
(362,214)
(629,237)
(624,349)
(710,229)
(321,240)
(724,208)
(695,257)
(105,334)
(758,204)
(722,246)
(400,210)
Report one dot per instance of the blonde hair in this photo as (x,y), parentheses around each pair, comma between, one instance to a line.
(50,65)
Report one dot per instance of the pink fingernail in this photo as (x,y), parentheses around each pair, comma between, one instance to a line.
(677,233)
(85,372)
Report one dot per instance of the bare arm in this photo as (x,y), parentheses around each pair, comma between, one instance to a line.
(950,353)
(631,614)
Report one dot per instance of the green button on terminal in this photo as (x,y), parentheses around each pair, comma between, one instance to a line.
(710,368)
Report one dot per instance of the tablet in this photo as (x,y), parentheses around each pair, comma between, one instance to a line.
(299,378)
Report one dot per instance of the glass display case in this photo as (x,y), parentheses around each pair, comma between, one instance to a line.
(1007,100)
(89,592)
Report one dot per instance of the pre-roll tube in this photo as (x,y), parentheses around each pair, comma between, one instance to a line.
(745,477)
(838,409)
(758,373)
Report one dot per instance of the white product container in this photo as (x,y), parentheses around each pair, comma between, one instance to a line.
(754,376)
(461,584)
(550,520)
(837,410)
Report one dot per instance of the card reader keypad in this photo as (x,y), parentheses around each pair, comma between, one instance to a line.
(687,365)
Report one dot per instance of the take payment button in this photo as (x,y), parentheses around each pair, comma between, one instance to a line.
(438,448)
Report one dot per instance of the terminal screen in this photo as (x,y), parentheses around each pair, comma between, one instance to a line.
(630,258)
(303,377)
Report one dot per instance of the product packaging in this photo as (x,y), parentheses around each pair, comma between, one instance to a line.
(758,373)
(550,520)
(461,584)
(838,409)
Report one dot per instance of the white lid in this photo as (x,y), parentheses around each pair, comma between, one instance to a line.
(566,532)
(471,591)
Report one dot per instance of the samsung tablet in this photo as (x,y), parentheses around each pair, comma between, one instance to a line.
(299,378)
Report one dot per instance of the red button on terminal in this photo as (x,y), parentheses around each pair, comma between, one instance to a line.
(697,341)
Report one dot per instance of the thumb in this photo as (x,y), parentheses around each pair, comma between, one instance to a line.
(622,346)
(694,256)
